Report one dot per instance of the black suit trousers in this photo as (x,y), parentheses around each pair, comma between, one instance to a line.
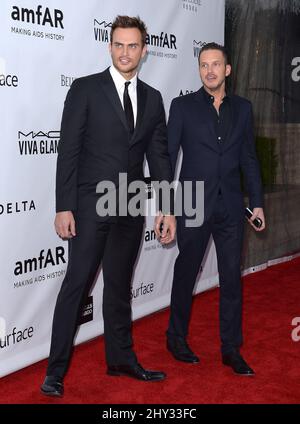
(115,243)
(192,244)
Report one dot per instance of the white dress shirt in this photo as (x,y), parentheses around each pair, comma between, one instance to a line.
(119,82)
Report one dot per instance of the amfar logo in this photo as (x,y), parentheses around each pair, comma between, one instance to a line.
(150,241)
(38,143)
(15,336)
(197,46)
(88,311)
(17,207)
(8,80)
(191,5)
(101,30)
(38,16)
(44,259)
(296,71)
(149,236)
(163,40)
(142,290)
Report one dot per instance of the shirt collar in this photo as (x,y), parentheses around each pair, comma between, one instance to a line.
(119,80)
(210,99)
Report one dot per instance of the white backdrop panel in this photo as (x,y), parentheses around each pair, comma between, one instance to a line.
(42,49)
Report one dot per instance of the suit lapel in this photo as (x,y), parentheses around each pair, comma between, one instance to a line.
(111,93)
(141,104)
(234,118)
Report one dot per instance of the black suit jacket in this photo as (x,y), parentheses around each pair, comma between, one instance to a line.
(191,126)
(96,145)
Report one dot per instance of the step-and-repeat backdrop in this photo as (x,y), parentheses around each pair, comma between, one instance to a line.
(44,46)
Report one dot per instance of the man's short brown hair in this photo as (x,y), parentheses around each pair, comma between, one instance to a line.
(123,21)
(215,46)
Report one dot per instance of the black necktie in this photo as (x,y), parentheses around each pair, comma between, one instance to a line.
(128,108)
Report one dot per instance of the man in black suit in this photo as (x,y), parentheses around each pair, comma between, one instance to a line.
(110,121)
(215,132)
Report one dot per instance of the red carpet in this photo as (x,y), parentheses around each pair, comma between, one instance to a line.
(271,301)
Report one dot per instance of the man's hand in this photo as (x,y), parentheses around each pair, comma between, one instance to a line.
(168,228)
(258,213)
(65,224)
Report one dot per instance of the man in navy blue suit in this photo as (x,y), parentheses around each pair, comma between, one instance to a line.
(215,132)
(111,121)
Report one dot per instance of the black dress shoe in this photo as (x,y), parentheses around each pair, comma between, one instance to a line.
(135,371)
(181,351)
(237,363)
(53,386)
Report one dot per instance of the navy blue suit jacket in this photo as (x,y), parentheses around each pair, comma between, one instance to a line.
(191,127)
(96,145)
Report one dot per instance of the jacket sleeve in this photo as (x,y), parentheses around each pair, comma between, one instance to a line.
(175,125)
(73,127)
(250,165)
(157,155)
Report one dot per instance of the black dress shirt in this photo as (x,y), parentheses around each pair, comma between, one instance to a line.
(222,120)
